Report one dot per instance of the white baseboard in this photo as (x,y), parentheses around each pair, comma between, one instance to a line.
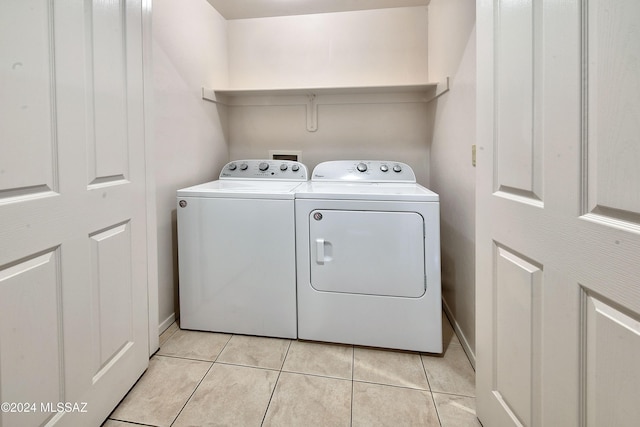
(166,323)
(463,339)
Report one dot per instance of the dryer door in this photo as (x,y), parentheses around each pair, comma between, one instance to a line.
(367,252)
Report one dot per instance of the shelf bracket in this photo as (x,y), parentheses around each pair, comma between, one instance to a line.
(209,95)
(441,89)
(312,113)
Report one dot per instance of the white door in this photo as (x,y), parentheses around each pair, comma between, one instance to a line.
(73,301)
(558,213)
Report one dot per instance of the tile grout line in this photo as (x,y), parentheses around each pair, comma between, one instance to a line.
(249,366)
(162,342)
(433,399)
(306,374)
(191,395)
(133,423)
(404,387)
(264,417)
(200,382)
(171,356)
(448,393)
(318,375)
(172,333)
(353,368)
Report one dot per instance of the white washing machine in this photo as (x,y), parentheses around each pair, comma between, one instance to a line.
(368,256)
(236,250)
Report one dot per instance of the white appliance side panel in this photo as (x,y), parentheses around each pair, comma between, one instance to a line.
(367,252)
(237,266)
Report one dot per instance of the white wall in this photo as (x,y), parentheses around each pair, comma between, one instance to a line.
(452,52)
(376,47)
(189,52)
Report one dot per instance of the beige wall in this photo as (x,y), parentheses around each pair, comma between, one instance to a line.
(385,46)
(366,131)
(189,52)
(452,52)
(378,47)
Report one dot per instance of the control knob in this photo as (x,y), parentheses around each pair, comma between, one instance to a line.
(232,166)
(295,168)
(397,168)
(384,168)
(263,166)
(362,167)
(283,167)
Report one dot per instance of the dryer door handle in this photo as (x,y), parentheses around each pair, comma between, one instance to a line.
(320,251)
(324,251)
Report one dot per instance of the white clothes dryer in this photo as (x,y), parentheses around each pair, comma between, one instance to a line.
(236,250)
(368,257)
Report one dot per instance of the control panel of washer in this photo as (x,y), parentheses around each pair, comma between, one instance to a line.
(364,171)
(277,170)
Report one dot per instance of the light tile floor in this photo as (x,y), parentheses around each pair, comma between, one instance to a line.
(211,379)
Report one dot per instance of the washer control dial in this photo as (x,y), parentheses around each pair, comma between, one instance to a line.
(283,167)
(244,166)
(232,166)
(295,168)
(384,168)
(362,167)
(263,166)
(397,168)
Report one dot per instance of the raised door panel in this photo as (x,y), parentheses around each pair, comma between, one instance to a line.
(30,335)
(517,291)
(112,292)
(108,139)
(28,149)
(610,359)
(612,108)
(518,150)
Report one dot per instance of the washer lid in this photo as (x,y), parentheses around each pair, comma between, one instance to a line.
(242,189)
(366,191)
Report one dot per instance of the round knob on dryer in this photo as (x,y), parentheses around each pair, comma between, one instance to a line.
(362,167)
(232,166)
(263,166)
(244,166)
(295,168)
(283,167)
(397,168)
(384,168)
